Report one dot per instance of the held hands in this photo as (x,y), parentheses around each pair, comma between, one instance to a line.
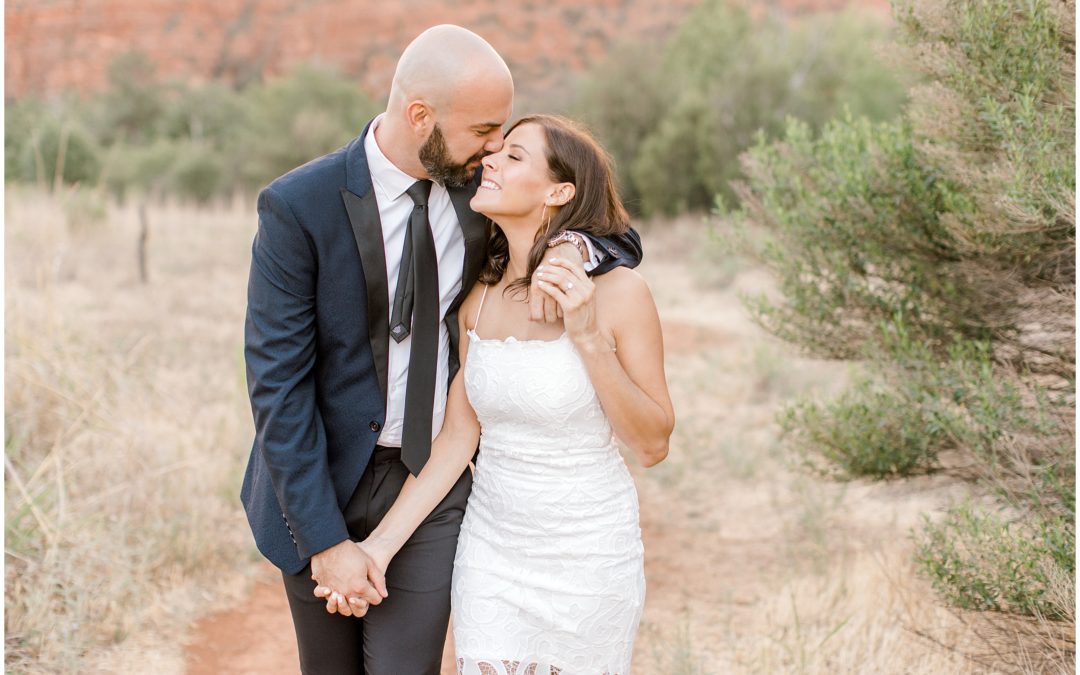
(350,579)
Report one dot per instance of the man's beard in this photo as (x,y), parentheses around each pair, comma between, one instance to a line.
(441,167)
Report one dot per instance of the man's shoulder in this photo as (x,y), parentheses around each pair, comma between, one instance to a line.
(324,174)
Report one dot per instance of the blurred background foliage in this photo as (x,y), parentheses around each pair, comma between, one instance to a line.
(193,142)
(675,116)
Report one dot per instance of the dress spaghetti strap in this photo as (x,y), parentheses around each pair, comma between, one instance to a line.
(476,321)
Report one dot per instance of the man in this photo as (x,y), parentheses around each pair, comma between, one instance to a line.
(359,264)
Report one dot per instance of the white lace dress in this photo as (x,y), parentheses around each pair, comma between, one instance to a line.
(548,577)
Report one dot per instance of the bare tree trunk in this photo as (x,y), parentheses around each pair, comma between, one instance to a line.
(61,155)
(144,235)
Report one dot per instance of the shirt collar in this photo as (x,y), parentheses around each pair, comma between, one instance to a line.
(388,179)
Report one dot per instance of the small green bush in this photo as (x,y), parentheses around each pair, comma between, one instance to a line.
(868,431)
(982,561)
(198,174)
(142,169)
(132,106)
(21,118)
(53,141)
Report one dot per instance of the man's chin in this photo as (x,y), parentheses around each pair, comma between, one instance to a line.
(461,177)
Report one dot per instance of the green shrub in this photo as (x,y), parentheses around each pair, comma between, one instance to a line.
(53,141)
(940,247)
(294,119)
(21,118)
(868,431)
(142,169)
(198,174)
(854,237)
(192,141)
(622,99)
(132,106)
(677,118)
(982,561)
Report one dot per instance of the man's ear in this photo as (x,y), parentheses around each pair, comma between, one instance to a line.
(420,117)
(561,194)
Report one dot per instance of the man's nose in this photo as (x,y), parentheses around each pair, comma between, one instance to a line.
(495,143)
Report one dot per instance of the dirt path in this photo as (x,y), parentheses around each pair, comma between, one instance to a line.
(253,640)
(752,565)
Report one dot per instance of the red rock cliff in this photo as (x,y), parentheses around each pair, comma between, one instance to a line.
(57,44)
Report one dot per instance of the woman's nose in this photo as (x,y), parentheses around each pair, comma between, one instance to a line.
(489,162)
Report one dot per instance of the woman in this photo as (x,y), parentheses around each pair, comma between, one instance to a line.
(548,576)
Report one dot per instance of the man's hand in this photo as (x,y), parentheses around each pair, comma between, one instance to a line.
(348,578)
(542,307)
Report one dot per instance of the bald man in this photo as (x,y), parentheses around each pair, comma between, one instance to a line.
(339,343)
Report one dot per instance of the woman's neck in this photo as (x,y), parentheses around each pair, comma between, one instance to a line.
(520,238)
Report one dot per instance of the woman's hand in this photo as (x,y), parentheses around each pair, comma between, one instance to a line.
(568,284)
(378,553)
(350,579)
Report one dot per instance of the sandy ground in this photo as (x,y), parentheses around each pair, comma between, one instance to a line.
(752,565)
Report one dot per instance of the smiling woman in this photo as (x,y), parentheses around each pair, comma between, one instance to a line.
(542,151)
(548,575)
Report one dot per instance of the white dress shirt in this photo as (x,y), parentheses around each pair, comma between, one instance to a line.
(390,184)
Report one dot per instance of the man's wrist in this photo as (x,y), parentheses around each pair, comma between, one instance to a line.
(329,550)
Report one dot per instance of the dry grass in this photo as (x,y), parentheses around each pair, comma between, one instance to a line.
(128,429)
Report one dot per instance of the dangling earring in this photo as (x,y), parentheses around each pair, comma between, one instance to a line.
(544,222)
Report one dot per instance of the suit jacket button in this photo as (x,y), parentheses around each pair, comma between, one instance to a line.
(375,426)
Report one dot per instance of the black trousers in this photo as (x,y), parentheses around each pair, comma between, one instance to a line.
(403,635)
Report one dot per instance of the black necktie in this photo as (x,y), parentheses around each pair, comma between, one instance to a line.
(416,312)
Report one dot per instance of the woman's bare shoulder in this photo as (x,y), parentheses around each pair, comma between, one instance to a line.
(469,306)
(622,282)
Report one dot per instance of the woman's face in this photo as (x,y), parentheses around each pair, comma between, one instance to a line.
(516,181)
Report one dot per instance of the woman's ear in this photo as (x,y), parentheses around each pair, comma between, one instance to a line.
(561,194)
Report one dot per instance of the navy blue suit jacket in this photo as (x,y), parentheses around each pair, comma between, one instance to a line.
(316,341)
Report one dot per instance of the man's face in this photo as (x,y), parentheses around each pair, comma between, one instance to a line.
(470,129)
(441,165)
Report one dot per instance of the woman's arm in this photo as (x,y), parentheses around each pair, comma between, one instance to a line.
(630,382)
(450,454)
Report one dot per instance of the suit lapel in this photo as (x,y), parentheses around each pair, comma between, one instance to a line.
(363,210)
(367,230)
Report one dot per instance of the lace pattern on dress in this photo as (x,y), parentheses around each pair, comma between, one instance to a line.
(505,667)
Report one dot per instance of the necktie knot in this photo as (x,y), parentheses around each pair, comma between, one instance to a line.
(419,192)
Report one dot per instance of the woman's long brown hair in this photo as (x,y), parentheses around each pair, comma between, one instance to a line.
(573,156)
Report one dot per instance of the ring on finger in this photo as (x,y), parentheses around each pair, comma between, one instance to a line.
(569,285)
